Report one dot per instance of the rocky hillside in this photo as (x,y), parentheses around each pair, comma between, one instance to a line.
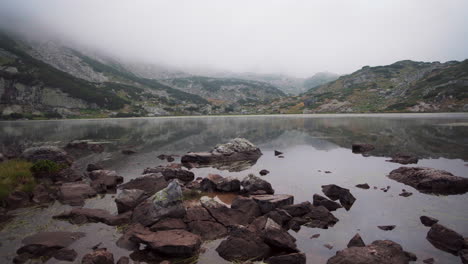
(227,90)
(405,86)
(47,80)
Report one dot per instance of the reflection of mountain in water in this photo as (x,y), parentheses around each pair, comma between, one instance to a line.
(423,137)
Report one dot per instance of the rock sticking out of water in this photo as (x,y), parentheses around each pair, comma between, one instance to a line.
(380,251)
(446,239)
(356,241)
(330,205)
(336,192)
(387,227)
(255,185)
(170,173)
(363,186)
(149,183)
(277,153)
(85,215)
(99,256)
(264,172)
(362,147)
(404,159)
(430,180)
(237,149)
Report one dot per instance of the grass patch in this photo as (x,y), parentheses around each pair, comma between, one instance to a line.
(193,195)
(15,175)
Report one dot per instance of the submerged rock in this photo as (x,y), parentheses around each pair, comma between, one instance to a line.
(47,243)
(430,180)
(363,186)
(47,153)
(380,251)
(336,192)
(404,158)
(294,258)
(98,256)
(237,149)
(165,203)
(356,241)
(253,185)
(264,172)
(362,147)
(84,215)
(445,239)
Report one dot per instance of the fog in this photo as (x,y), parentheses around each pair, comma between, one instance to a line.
(293,37)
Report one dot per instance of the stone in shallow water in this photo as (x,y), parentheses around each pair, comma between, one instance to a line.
(243,244)
(129,199)
(294,258)
(428,180)
(336,192)
(47,243)
(268,203)
(149,183)
(387,227)
(356,241)
(253,184)
(428,221)
(330,205)
(170,173)
(75,193)
(404,158)
(362,147)
(380,251)
(95,215)
(445,239)
(98,256)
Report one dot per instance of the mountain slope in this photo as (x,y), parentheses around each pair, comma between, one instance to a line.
(227,90)
(405,86)
(318,79)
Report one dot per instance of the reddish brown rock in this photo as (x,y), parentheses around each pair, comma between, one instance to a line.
(98,256)
(268,203)
(171,242)
(95,215)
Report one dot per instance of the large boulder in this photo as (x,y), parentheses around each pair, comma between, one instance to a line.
(297,210)
(430,180)
(228,184)
(255,185)
(237,149)
(129,199)
(170,173)
(428,221)
(149,183)
(380,251)
(84,215)
(445,239)
(175,242)
(17,199)
(165,203)
(47,153)
(330,205)
(208,184)
(270,202)
(168,224)
(75,193)
(242,245)
(98,256)
(104,181)
(336,192)
(247,205)
(46,244)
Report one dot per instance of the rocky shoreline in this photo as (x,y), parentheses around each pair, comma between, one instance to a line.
(162,220)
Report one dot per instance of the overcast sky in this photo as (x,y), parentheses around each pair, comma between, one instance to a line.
(291,36)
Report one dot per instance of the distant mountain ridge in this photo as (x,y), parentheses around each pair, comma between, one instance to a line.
(404,86)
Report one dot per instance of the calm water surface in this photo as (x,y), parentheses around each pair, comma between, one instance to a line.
(311,144)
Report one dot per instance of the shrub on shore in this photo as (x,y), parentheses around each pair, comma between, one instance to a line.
(15,175)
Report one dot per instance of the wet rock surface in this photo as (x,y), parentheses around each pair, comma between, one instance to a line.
(104,181)
(170,173)
(75,193)
(237,149)
(47,153)
(128,199)
(170,242)
(364,186)
(356,241)
(445,239)
(165,203)
(386,227)
(47,243)
(294,258)
(322,201)
(336,192)
(428,180)
(428,221)
(242,245)
(268,203)
(84,215)
(150,183)
(404,158)
(98,256)
(380,251)
(255,185)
